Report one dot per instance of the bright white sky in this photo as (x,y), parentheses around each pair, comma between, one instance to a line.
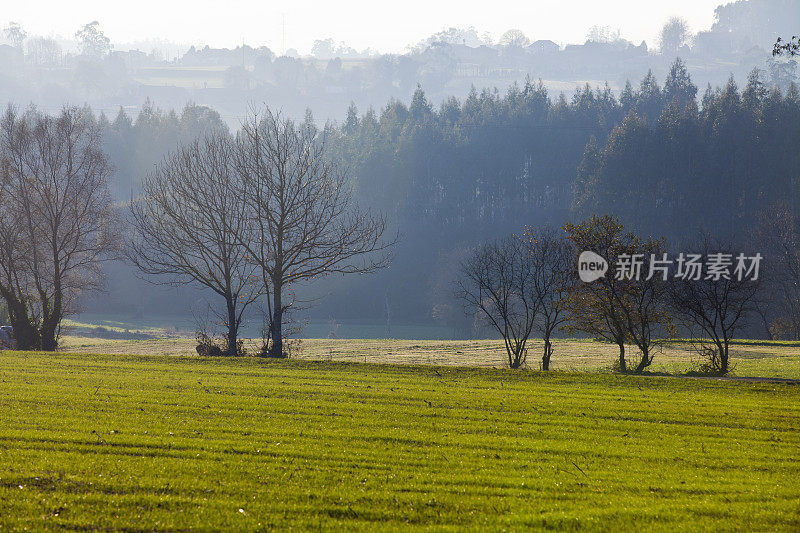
(387,27)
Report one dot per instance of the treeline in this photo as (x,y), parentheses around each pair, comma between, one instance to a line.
(94,69)
(664,157)
(499,161)
(136,144)
(717,165)
(666,163)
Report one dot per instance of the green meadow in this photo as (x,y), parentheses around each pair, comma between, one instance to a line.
(168,443)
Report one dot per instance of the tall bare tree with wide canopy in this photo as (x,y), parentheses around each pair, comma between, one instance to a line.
(58,222)
(302,221)
(185,227)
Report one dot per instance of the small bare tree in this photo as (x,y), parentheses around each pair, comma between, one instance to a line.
(778,236)
(643,301)
(185,226)
(713,308)
(620,306)
(302,223)
(497,280)
(553,277)
(55,197)
(593,307)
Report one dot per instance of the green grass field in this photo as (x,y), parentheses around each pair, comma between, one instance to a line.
(168,443)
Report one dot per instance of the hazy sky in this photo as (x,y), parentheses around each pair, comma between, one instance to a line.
(385,26)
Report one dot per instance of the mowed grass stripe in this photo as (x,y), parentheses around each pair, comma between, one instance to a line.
(175,443)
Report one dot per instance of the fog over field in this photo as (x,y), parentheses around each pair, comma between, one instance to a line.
(300,55)
(455,126)
(364,266)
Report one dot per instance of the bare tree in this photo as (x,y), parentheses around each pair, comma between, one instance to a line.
(674,34)
(15,280)
(628,305)
(514,39)
(593,308)
(643,301)
(16,34)
(713,308)
(94,42)
(185,225)
(497,281)
(55,195)
(778,235)
(553,277)
(602,34)
(302,223)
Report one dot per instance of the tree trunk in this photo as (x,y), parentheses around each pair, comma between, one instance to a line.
(276,327)
(548,351)
(515,354)
(25,333)
(49,331)
(50,323)
(51,315)
(644,363)
(622,367)
(517,362)
(723,359)
(232,328)
(509,353)
(49,340)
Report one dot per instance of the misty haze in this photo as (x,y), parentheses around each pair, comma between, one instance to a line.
(271,266)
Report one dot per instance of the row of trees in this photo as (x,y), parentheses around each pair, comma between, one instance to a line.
(245,216)
(467,171)
(252,215)
(529,283)
(655,155)
(93,42)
